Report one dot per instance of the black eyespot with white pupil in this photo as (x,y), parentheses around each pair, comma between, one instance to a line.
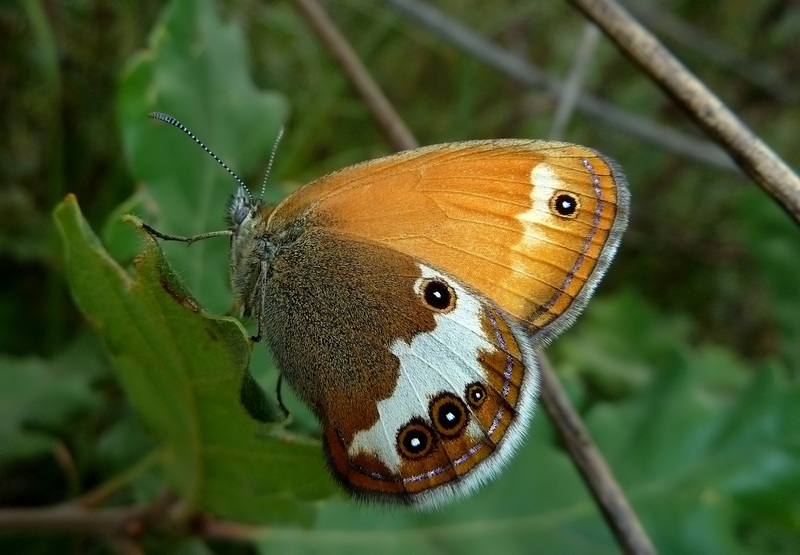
(438,295)
(476,394)
(415,439)
(449,414)
(565,204)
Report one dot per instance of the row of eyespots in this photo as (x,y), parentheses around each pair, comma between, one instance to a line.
(450,417)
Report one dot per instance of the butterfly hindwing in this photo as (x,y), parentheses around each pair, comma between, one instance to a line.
(421,385)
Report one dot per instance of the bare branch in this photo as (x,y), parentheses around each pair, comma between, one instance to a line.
(75,519)
(382,110)
(587,458)
(753,156)
(123,526)
(574,82)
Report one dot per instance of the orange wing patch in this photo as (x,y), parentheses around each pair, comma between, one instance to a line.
(483,212)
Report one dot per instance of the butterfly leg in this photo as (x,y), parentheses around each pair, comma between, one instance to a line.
(278,394)
(183,238)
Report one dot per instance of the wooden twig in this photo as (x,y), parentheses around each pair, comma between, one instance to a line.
(123,526)
(661,21)
(120,523)
(382,110)
(574,82)
(590,463)
(721,124)
(618,513)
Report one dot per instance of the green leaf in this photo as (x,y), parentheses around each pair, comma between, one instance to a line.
(773,240)
(183,371)
(699,456)
(38,398)
(196,70)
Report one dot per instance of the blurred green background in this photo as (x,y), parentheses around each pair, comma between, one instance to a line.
(685,365)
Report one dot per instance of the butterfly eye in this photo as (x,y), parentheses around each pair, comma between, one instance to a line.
(240,214)
(476,394)
(565,204)
(239,207)
(438,295)
(449,414)
(415,439)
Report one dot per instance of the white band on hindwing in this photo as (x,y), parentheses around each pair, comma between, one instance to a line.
(446,360)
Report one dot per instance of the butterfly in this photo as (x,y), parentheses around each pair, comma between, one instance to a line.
(403,300)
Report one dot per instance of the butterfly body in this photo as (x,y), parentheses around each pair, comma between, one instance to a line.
(403,299)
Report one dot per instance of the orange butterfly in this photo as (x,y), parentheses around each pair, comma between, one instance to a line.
(403,298)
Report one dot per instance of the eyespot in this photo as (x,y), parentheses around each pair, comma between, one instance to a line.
(449,414)
(438,295)
(565,204)
(475,394)
(415,439)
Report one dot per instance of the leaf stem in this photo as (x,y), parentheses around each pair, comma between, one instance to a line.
(104,491)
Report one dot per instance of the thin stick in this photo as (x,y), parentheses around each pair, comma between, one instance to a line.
(721,124)
(622,520)
(117,522)
(121,524)
(587,458)
(574,82)
(71,519)
(382,110)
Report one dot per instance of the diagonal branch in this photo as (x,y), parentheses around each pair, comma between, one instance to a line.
(574,82)
(382,110)
(590,463)
(753,155)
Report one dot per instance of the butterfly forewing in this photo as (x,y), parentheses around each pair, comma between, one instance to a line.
(529,224)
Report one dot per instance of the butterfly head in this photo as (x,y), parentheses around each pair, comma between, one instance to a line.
(241,207)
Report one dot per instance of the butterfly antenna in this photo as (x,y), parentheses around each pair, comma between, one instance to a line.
(269,164)
(166,118)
